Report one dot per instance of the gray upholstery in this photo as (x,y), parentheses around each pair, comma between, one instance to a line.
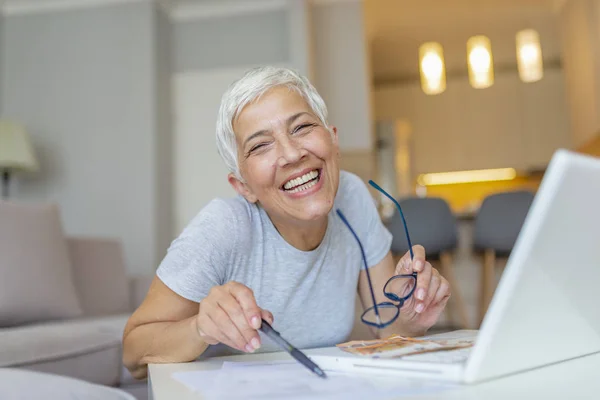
(100,275)
(430,223)
(138,288)
(64,303)
(88,349)
(36,281)
(20,384)
(500,219)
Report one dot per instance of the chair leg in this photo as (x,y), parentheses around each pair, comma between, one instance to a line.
(487,282)
(456,299)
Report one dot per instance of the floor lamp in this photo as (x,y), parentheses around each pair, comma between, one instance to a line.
(16,153)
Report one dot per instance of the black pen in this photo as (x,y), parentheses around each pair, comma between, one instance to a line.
(294,352)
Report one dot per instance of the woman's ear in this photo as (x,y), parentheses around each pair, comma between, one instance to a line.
(241,188)
(334,133)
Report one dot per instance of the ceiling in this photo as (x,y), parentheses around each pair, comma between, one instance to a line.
(396,28)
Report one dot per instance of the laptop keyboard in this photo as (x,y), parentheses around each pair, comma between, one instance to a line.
(444,357)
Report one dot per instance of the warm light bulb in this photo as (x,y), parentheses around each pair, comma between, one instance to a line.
(528,53)
(432,66)
(529,56)
(479,59)
(433,75)
(480,62)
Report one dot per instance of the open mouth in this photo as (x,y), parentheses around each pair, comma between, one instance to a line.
(303,182)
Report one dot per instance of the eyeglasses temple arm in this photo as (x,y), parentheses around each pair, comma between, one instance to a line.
(410,248)
(339,213)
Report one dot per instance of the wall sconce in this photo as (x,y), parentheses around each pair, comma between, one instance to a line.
(480,62)
(433,70)
(529,56)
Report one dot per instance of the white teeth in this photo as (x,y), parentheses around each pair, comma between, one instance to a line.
(295,183)
(303,187)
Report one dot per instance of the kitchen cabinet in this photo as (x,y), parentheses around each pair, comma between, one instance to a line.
(510,124)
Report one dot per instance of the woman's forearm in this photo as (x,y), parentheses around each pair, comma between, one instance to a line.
(161,342)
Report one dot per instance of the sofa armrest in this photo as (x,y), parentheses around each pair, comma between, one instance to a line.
(138,288)
(99,274)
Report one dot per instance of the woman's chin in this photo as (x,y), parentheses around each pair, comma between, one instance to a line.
(316,212)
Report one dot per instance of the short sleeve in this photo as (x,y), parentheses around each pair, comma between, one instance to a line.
(360,209)
(197,260)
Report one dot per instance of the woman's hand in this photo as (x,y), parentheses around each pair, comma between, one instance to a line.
(431,294)
(230,315)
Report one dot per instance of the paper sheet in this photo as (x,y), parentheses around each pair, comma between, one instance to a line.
(288,379)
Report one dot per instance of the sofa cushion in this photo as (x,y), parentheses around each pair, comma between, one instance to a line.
(37,281)
(100,277)
(88,348)
(20,384)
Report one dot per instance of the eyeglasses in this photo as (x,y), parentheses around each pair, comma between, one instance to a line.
(398,289)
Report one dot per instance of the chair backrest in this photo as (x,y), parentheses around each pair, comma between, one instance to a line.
(430,223)
(500,219)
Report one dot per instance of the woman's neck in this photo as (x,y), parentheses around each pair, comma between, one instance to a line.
(305,236)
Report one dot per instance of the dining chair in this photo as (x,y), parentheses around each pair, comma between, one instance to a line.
(497,225)
(432,225)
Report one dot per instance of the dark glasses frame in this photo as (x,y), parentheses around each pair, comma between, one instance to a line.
(396,301)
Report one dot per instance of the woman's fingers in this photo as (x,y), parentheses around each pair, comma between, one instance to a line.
(267,316)
(418,263)
(245,297)
(423,281)
(230,315)
(238,318)
(406,265)
(229,332)
(434,285)
(443,292)
(207,331)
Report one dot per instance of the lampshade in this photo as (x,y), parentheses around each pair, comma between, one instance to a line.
(529,56)
(480,62)
(431,65)
(16,153)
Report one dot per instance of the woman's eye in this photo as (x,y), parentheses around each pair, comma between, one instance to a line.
(257,147)
(303,127)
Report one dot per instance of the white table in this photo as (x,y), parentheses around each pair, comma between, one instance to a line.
(569,380)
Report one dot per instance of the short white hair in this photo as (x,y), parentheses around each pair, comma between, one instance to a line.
(253,84)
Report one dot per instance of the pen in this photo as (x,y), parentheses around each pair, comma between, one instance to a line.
(294,352)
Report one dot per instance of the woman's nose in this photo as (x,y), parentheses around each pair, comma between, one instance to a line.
(290,151)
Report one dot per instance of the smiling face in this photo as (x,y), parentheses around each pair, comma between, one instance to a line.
(288,159)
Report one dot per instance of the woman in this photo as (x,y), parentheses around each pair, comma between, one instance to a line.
(277,251)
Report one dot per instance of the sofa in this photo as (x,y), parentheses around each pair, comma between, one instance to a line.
(64,301)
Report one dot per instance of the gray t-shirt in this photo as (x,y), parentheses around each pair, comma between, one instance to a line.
(310,293)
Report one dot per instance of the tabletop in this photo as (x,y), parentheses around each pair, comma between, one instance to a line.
(574,379)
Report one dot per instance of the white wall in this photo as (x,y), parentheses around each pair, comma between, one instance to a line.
(579,26)
(200,174)
(510,124)
(85,83)
(214,42)
(203,72)
(163,69)
(341,71)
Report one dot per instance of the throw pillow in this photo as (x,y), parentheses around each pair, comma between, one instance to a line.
(36,281)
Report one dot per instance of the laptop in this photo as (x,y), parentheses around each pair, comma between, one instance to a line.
(545,308)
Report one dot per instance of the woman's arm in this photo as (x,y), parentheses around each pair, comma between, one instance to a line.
(163,329)
(426,304)
(169,328)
